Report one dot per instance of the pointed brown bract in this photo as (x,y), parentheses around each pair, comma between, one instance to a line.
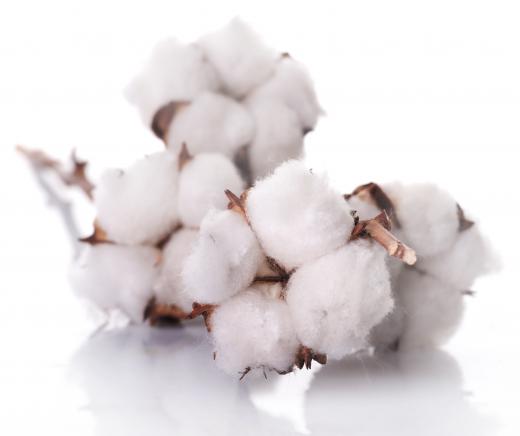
(306,355)
(98,236)
(75,177)
(206,310)
(237,204)
(373,193)
(157,313)
(378,229)
(464,223)
(244,373)
(184,156)
(163,118)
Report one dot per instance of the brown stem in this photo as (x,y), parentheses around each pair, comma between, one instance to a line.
(75,177)
(378,229)
(157,312)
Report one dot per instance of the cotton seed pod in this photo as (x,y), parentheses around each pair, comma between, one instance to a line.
(211,123)
(240,57)
(296,216)
(139,205)
(337,299)
(202,182)
(116,277)
(224,259)
(168,288)
(252,330)
(174,72)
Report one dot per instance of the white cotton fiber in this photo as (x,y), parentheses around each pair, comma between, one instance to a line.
(470,257)
(337,299)
(239,56)
(224,260)
(139,206)
(297,216)
(292,86)
(278,136)
(211,123)
(364,209)
(433,310)
(252,330)
(385,335)
(174,72)
(202,183)
(428,217)
(116,277)
(169,288)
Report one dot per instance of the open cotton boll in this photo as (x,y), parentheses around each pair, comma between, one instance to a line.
(470,257)
(337,299)
(278,136)
(292,86)
(174,72)
(297,216)
(202,183)
(433,310)
(224,259)
(139,206)
(116,277)
(211,123)
(169,288)
(252,330)
(239,56)
(427,214)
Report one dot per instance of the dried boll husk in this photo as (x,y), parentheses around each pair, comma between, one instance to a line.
(240,57)
(139,205)
(337,299)
(211,123)
(175,72)
(224,259)
(116,277)
(252,330)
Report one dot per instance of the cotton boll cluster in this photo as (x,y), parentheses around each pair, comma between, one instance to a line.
(290,279)
(241,99)
(114,276)
(452,253)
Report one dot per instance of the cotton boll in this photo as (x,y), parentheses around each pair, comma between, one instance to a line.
(252,330)
(202,183)
(292,86)
(169,288)
(428,217)
(278,137)
(116,277)
(433,310)
(174,72)
(470,257)
(139,206)
(224,260)
(297,216)
(336,300)
(385,335)
(211,123)
(239,56)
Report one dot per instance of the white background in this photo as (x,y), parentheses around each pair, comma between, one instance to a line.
(413,90)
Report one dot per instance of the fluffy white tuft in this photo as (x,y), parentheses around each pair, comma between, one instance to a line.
(252,330)
(139,206)
(428,216)
(169,288)
(240,57)
(116,277)
(337,299)
(202,183)
(292,86)
(278,137)
(211,123)
(297,216)
(174,72)
(224,260)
